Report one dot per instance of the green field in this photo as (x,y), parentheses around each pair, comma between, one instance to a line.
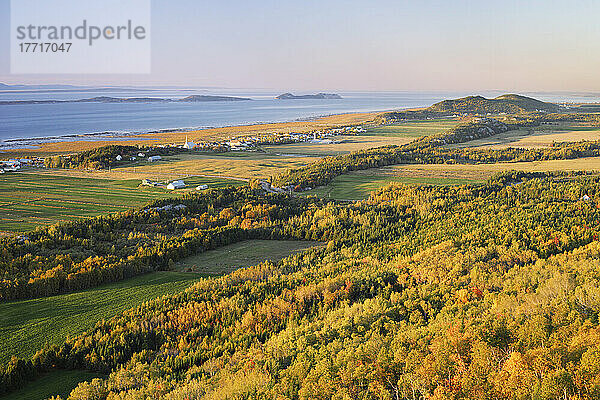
(29,200)
(242,254)
(55,383)
(535,137)
(25,326)
(397,134)
(358,185)
(412,129)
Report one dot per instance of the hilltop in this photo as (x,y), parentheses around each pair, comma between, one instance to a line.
(507,103)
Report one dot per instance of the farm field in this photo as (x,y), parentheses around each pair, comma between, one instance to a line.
(541,136)
(26,325)
(243,254)
(29,200)
(397,134)
(51,384)
(241,165)
(358,184)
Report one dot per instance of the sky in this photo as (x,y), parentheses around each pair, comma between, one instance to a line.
(344,45)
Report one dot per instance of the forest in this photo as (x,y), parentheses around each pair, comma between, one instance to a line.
(481,291)
(487,291)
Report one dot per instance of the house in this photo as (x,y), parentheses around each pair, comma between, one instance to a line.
(154,158)
(132,158)
(119,158)
(1,171)
(176,185)
(585,197)
(188,145)
(141,155)
(201,187)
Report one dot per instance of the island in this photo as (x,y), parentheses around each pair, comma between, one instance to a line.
(106,99)
(318,96)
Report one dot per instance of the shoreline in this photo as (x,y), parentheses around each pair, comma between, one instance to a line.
(64,143)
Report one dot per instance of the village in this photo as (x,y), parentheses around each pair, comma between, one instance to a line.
(231,144)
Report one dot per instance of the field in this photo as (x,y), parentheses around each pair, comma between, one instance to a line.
(54,383)
(357,185)
(541,136)
(397,134)
(29,200)
(27,325)
(243,254)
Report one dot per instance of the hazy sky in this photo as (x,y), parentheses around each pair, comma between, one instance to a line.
(512,45)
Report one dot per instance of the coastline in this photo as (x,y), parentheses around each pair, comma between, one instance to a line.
(66,144)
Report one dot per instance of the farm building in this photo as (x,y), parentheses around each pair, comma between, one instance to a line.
(176,185)
(154,158)
(201,187)
(119,157)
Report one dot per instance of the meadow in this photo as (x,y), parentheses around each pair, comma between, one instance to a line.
(536,137)
(27,325)
(29,200)
(358,184)
(51,384)
(243,254)
(375,136)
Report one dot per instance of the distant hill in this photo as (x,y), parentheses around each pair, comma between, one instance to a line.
(508,103)
(196,98)
(318,96)
(106,99)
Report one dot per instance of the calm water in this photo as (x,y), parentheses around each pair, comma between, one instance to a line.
(22,125)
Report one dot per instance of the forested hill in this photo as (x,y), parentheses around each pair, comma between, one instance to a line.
(474,292)
(508,103)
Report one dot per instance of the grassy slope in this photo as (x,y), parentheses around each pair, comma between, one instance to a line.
(242,254)
(28,200)
(26,325)
(55,383)
(357,186)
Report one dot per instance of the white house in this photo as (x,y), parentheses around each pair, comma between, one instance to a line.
(1,171)
(119,158)
(154,158)
(176,185)
(141,155)
(201,187)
